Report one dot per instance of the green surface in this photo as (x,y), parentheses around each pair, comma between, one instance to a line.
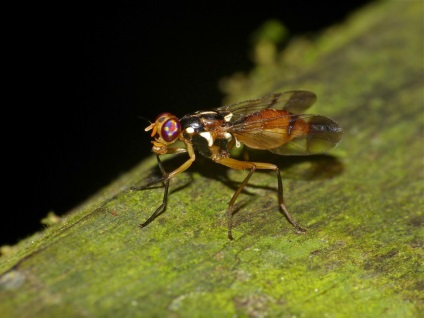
(362,204)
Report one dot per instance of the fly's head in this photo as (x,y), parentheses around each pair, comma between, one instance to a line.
(166,129)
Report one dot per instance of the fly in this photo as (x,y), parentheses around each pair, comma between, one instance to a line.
(275,122)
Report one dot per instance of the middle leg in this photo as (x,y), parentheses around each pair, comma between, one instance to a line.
(252,166)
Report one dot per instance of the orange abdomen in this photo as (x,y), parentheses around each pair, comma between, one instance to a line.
(271,128)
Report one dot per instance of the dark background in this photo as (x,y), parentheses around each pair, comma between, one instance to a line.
(81,75)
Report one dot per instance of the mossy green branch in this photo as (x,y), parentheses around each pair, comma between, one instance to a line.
(362,205)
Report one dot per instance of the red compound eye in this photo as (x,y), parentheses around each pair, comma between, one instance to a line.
(170,129)
(163,116)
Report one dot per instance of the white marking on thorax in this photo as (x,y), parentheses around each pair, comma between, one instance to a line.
(189,130)
(207,135)
(228,136)
(237,143)
(228,117)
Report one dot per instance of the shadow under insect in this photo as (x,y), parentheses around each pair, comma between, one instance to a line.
(306,168)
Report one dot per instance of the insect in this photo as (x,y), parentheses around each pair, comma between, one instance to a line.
(275,122)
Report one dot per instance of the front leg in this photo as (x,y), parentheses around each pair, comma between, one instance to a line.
(166,177)
(162,207)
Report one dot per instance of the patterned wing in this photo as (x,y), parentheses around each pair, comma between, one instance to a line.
(287,134)
(295,102)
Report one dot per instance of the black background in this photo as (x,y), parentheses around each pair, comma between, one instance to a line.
(80,75)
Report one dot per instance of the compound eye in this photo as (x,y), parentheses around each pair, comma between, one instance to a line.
(162,117)
(170,129)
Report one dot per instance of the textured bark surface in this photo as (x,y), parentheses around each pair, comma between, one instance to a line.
(362,204)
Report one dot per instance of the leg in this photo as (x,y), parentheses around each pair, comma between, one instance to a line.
(164,174)
(162,207)
(233,200)
(252,166)
(165,179)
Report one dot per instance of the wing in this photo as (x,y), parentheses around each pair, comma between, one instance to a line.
(287,134)
(295,102)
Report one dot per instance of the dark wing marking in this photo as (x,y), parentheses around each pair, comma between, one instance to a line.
(293,101)
(323,135)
